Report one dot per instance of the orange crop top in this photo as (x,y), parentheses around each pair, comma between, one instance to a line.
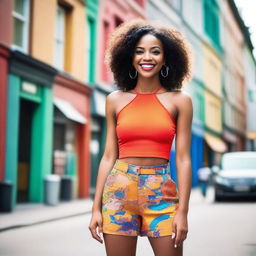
(145,128)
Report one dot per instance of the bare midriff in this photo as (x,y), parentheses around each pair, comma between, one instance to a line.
(144,160)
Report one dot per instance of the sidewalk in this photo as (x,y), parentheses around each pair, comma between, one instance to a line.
(28,214)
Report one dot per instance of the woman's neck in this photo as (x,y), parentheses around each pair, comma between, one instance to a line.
(147,84)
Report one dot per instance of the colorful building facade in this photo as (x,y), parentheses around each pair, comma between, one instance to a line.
(47,111)
(234,108)
(54,83)
(64,48)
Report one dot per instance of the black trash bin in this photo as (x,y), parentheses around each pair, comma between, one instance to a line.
(66,188)
(6,188)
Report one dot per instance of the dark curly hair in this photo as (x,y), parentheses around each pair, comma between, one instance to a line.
(121,47)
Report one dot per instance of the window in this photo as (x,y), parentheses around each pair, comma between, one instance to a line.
(118,21)
(20,25)
(59,53)
(211,21)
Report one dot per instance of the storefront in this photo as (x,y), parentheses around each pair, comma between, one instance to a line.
(29,127)
(71,132)
(230,139)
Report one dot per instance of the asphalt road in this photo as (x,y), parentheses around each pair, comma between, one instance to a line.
(215,229)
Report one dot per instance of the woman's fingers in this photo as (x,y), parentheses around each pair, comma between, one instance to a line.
(178,238)
(95,235)
(100,230)
(174,231)
(181,236)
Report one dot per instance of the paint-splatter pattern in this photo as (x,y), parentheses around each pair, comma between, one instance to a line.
(142,204)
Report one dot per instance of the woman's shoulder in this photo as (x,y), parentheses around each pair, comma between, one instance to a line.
(113,95)
(181,95)
(183,101)
(178,95)
(180,98)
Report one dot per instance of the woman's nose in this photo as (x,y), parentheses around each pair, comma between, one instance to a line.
(147,56)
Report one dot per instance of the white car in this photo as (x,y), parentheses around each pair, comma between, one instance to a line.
(237,175)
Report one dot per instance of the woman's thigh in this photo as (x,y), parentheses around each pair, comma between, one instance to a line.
(164,246)
(119,245)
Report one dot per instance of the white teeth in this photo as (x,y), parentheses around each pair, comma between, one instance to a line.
(147,66)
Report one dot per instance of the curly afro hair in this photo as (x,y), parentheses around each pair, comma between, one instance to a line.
(122,44)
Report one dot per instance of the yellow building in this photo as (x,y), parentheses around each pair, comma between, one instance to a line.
(212,69)
(58,31)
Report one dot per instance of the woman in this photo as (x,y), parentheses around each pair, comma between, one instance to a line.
(135,194)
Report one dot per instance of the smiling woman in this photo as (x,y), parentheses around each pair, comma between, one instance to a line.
(135,194)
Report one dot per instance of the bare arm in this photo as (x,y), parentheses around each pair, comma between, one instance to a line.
(183,164)
(182,147)
(110,153)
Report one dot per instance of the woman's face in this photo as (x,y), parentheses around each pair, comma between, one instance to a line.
(148,56)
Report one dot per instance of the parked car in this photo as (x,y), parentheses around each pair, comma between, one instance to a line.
(236,176)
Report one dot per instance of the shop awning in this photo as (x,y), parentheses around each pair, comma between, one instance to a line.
(215,143)
(69,110)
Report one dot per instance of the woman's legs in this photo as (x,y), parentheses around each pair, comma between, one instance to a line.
(119,245)
(164,246)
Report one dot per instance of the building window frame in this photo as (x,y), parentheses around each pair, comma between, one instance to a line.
(212,21)
(23,18)
(60,38)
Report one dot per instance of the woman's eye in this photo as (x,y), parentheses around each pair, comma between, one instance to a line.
(156,52)
(138,51)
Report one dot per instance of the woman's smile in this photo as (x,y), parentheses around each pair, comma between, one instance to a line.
(147,67)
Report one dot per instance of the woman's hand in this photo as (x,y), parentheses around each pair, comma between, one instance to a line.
(180,228)
(95,226)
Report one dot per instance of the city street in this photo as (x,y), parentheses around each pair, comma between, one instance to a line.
(84,83)
(215,229)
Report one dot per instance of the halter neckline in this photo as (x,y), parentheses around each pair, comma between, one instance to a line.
(154,92)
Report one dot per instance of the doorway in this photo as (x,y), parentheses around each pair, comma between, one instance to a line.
(27,109)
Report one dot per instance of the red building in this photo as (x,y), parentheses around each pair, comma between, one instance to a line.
(72,121)
(5,41)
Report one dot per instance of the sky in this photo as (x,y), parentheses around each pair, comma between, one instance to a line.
(247,9)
